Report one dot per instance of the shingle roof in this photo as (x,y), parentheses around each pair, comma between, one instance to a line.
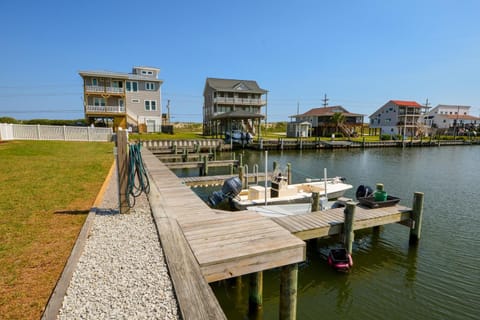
(327,111)
(459,116)
(233,85)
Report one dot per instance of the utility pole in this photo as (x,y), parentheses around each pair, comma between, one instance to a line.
(425,112)
(325,101)
(168,111)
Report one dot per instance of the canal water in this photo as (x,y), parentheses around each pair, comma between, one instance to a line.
(438,279)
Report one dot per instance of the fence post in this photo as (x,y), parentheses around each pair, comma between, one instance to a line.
(38,132)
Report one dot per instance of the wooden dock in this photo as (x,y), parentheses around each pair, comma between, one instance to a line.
(320,224)
(225,244)
(207,181)
(204,245)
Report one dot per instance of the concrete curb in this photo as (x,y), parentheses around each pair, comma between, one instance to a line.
(56,298)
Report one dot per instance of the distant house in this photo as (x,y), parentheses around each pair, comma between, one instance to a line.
(398,117)
(123,100)
(231,105)
(450,117)
(320,122)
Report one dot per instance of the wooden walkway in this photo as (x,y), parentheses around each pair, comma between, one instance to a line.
(330,222)
(205,181)
(224,244)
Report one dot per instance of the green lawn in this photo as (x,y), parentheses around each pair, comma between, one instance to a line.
(46,191)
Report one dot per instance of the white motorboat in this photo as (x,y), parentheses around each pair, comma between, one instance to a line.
(281,192)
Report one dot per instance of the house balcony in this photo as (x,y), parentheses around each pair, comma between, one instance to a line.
(240,101)
(105,109)
(102,89)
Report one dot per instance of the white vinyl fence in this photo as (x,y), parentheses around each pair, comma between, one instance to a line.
(66,133)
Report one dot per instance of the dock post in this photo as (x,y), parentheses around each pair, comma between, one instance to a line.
(240,160)
(255,291)
(185,155)
(288,292)
(349,214)
(122,167)
(241,175)
(231,168)
(281,143)
(417,214)
(315,201)
(205,166)
(261,143)
(289,173)
(174,147)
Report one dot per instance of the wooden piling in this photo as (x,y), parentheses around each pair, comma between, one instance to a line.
(315,201)
(255,291)
(417,215)
(288,292)
(349,215)
(241,175)
(204,169)
(289,173)
(122,167)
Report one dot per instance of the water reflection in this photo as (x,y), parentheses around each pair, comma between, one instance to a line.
(439,279)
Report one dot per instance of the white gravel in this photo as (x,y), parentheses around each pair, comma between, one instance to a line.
(122,272)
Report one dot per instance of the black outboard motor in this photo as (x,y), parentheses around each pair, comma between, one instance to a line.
(363,192)
(230,189)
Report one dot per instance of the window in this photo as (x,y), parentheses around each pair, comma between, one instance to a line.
(149,86)
(150,105)
(147,72)
(99,102)
(135,101)
(94,82)
(132,86)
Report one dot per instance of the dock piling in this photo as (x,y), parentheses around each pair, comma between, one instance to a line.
(255,291)
(315,201)
(288,292)
(417,215)
(349,215)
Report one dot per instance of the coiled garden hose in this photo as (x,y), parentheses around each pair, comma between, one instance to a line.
(137,182)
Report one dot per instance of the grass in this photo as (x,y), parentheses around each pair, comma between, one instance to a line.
(46,191)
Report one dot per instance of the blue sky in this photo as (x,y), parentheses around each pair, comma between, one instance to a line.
(360,53)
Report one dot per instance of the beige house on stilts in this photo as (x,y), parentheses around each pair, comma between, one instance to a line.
(126,100)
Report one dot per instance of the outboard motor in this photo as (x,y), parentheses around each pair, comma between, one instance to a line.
(363,192)
(230,189)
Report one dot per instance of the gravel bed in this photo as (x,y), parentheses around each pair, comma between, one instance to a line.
(122,272)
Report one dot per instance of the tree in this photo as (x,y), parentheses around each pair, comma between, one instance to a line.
(338,119)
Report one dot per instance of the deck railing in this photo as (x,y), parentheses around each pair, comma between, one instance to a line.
(108,109)
(240,101)
(102,89)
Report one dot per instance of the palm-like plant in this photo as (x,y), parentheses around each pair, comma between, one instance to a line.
(338,118)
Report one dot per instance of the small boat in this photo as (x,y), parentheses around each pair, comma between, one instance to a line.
(340,259)
(292,209)
(281,192)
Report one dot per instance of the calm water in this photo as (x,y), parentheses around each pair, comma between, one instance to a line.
(439,279)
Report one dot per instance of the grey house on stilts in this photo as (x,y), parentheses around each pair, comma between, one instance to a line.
(233,106)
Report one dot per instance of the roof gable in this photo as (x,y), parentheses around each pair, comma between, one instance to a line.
(233,85)
(327,111)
